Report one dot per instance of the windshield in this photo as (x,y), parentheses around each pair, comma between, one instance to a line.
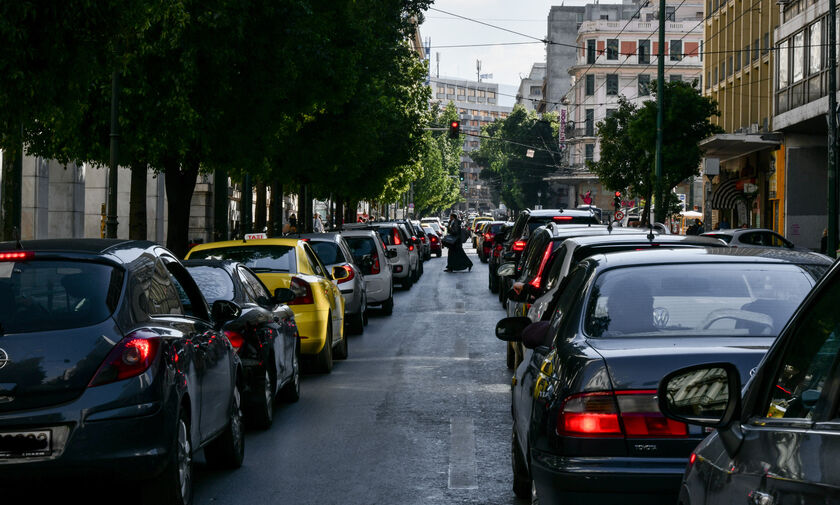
(214,283)
(328,252)
(695,300)
(53,295)
(535,222)
(259,258)
(360,247)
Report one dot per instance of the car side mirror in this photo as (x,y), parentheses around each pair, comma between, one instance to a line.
(339,273)
(283,295)
(510,329)
(224,311)
(707,395)
(535,335)
(506,269)
(390,253)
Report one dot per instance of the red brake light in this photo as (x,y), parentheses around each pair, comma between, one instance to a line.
(132,356)
(537,281)
(302,291)
(375,269)
(396,233)
(433,239)
(350,274)
(236,339)
(411,247)
(642,418)
(488,236)
(692,459)
(16,255)
(519,245)
(562,218)
(632,414)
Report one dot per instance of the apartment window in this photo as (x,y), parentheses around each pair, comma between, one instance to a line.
(722,70)
(799,56)
(738,61)
(670,13)
(675,78)
(494,114)
(589,152)
(474,112)
(612,49)
(611,113)
(491,94)
(644,51)
(729,67)
(481,93)
(589,124)
(605,17)
(590,51)
(746,55)
(676,50)
(590,84)
(784,69)
(815,49)
(708,79)
(450,91)
(612,84)
(701,50)
(536,90)
(766,48)
(470,92)
(644,85)
(756,43)
(441,89)
(714,75)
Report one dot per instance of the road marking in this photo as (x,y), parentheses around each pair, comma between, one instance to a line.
(462,454)
(460,351)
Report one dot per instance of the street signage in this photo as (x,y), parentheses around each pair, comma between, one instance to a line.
(255,236)
(619,215)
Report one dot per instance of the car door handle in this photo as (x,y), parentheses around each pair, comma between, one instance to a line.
(759,498)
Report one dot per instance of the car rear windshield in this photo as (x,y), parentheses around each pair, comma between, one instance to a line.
(387,235)
(536,221)
(695,300)
(361,247)
(214,283)
(259,258)
(723,236)
(54,295)
(328,252)
(494,228)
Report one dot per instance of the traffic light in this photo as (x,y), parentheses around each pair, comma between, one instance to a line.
(617,201)
(462,176)
(454,129)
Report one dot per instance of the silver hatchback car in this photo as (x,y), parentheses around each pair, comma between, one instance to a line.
(370,254)
(334,253)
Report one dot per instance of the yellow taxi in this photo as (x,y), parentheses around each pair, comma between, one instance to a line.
(291,263)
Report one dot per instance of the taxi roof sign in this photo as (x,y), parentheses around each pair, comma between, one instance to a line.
(255,236)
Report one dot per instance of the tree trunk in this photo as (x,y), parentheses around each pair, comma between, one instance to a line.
(350,211)
(12,191)
(646,213)
(220,205)
(180,185)
(137,203)
(260,214)
(276,216)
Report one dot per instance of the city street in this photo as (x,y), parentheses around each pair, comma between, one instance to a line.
(418,414)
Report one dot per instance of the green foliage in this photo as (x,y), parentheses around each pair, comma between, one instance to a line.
(515,176)
(437,187)
(628,143)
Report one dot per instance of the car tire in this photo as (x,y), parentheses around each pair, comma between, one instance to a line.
(324,359)
(521,476)
(511,356)
(340,351)
(439,254)
(261,415)
(291,391)
(356,323)
(407,282)
(388,305)
(175,484)
(228,449)
(493,283)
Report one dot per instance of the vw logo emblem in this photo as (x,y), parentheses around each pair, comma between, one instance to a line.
(4,358)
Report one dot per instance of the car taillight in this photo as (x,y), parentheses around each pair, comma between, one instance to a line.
(488,236)
(350,274)
(423,239)
(16,256)
(375,269)
(236,339)
(433,239)
(498,248)
(562,218)
(537,281)
(396,233)
(410,247)
(519,245)
(302,291)
(630,414)
(132,356)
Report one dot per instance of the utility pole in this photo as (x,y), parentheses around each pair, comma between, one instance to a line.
(831,239)
(111,222)
(660,90)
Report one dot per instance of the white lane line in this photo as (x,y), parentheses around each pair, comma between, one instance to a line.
(462,465)
(461,348)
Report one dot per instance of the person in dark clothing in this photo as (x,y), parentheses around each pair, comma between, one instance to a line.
(456,259)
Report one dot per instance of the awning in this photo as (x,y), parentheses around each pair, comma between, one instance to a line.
(727,146)
(726,195)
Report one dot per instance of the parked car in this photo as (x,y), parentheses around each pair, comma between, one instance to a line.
(586,422)
(113,366)
(484,244)
(494,259)
(396,238)
(435,222)
(752,237)
(425,244)
(334,253)
(434,236)
(778,443)
(264,335)
(291,263)
(413,245)
(370,254)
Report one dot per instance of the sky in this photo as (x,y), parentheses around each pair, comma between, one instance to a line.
(507,63)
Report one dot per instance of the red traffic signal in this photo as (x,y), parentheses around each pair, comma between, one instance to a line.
(617,201)
(454,129)
(618,194)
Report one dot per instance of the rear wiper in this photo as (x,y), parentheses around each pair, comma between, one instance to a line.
(263,270)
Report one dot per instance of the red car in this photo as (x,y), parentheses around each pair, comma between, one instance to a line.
(434,241)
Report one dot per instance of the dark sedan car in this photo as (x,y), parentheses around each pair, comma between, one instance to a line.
(778,444)
(113,365)
(264,335)
(586,420)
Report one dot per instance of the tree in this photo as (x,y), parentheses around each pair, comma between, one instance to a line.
(437,188)
(628,144)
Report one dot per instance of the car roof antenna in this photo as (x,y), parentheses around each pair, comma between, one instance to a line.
(16,233)
(650,235)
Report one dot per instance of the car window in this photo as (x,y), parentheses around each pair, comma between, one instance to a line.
(360,247)
(259,258)
(316,265)
(253,285)
(723,236)
(191,299)
(750,238)
(556,268)
(51,295)
(773,240)
(807,362)
(697,300)
(566,295)
(328,252)
(536,251)
(387,235)
(215,283)
(163,298)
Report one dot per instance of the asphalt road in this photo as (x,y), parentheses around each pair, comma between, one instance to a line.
(418,414)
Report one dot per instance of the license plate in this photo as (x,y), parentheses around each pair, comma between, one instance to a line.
(22,444)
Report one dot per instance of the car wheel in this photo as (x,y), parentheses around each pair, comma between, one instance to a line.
(521,477)
(261,416)
(228,449)
(174,484)
(494,283)
(324,359)
(439,254)
(291,391)
(511,356)
(356,323)
(407,282)
(388,305)
(341,350)
(365,316)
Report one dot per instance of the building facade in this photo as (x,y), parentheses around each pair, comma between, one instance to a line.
(477,104)
(563,24)
(531,88)
(744,167)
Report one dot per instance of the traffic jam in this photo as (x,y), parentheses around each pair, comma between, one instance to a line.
(645,367)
